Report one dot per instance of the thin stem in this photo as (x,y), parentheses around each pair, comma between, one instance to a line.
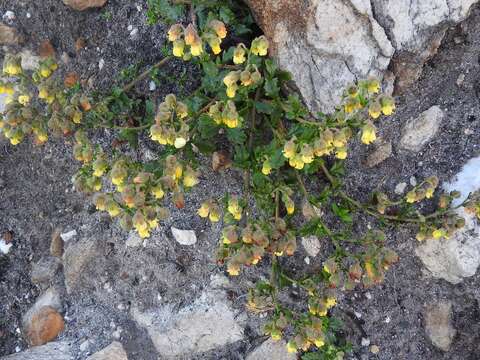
(145,74)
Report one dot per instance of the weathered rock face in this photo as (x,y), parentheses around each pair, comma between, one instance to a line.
(81,5)
(438,324)
(271,350)
(327,44)
(50,351)
(8,35)
(114,351)
(208,323)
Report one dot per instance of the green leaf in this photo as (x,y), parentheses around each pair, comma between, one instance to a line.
(207,127)
(342,213)
(264,107)
(131,136)
(271,87)
(236,136)
(270,66)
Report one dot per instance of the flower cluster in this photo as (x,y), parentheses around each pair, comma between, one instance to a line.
(423,191)
(170,123)
(247,77)
(209,209)
(187,42)
(225,113)
(248,246)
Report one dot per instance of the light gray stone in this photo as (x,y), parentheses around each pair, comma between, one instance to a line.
(43,271)
(381,153)
(354,39)
(134,240)
(51,351)
(207,324)
(400,188)
(29,60)
(114,351)
(455,258)
(438,325)
(9,36)
(184,237)
(418,132)
(311,245)
(77,259)
(270,350)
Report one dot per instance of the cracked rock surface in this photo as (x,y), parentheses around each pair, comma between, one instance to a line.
(328,44)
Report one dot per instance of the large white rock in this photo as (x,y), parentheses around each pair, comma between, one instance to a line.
(458,257)
(114,351)
(418,132)
(270,350)
(50,351)
(328,44)
(207,324)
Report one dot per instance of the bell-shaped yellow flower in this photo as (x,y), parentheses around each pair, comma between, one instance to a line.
(368,133)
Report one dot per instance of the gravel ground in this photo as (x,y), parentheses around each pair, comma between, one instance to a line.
(37,197)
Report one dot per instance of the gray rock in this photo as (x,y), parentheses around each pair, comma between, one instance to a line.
(51,351)
(418,132)
(348,38)
(29,60)
(270,350)
(381,153)
(44,270)
(50,298)
(312,245)
(133,240)
(400,188)
(455,258)
(77,259)
(207,324)
(81,5)
(114,351)
(9,36)
(438,325)
(184,237)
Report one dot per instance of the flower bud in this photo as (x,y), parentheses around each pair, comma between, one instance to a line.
(175,32)
(239,54)
(219,28)
(259,46)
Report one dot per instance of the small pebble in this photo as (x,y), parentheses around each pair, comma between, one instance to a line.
(460,80)
(101,64)
(400,188)
(365,341)
(130,27)
(152,86)
(18,349)
(29,15)
(307,260)
(368,296)
(468,132)
(68,235)
(387,320)
(134,33)
(413,181)
(374,349)
(9,15)
(358,315)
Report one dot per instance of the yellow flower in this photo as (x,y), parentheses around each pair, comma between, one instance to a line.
(215,45)
(143,233)
(99,167)
(375,110)
(438,234)
(260,46)
(42,137)
(45,72)
(307,154)
(350,105)
(77,117)
(204,210)
(319,342)
(214,214)
(178,171)
(239,54)
(12,65)
(233,268)
(180,142)
(368,133)
(113,209)
(373,86)
(388,105)
(24,99)
(429,192)
(175,32)
(296,162)
(289,149)
(178,48)
(197,48)
(231,78)
(190,35)
(158,192)
(118,175)
(266,168)
(43,93)
(157,134)
(341,153)
(190,179)
(100,202)
(219,28)
(411,197)
(330,302)
(291,347)
(231,122)
(232,90)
